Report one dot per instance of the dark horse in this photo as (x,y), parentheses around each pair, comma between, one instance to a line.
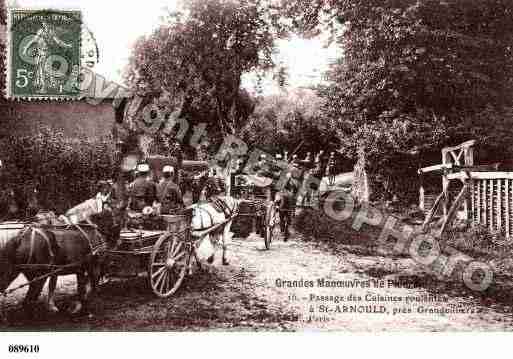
(38,250)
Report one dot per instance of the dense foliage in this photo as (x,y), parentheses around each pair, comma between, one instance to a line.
(415,75)
(64,171)
(290,121)
(200,54)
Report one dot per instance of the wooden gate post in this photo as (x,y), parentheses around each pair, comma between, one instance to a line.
(446,160)
(468,153)
(422,196)
(453,160)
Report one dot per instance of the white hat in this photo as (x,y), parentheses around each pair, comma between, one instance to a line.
(143,167)
(168,169)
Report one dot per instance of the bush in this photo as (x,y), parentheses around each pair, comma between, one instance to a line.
(316,225)
(479,243)
(65,171)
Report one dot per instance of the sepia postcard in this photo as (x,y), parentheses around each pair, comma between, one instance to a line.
(255,166)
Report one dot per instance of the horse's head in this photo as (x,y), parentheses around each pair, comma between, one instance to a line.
(213,186)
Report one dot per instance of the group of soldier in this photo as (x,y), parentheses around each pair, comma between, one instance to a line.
(320,163)
(324,166)
(287,196)
(144,193)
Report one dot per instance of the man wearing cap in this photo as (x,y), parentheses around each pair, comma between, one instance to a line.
(143,190)
(295,160)
(103,197)
(287,205)
(319,158)
(168,193)
(330,169)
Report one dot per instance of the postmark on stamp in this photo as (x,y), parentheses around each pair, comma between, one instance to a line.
(43,60)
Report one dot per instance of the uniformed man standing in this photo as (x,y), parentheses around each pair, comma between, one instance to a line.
(276,171)
(143,192)
(330,169)
(287,205)
(295,160)
(319,158)
(168,193)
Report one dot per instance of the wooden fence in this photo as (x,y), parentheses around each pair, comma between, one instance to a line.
(491,200)
(485,195)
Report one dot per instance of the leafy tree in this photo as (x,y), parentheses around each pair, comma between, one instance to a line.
(290,121)
(200,54)
(415,75)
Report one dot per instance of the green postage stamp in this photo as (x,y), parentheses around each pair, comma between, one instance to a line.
(43,59)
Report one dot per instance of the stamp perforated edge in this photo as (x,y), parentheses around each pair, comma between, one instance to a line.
(8,53)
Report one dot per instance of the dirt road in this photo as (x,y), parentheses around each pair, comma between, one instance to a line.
(296,261)
(265,291)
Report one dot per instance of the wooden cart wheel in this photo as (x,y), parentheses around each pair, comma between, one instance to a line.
(169,261)
(271,223)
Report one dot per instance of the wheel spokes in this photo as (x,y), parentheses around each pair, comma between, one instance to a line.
(160,286)
(177,248)
(172,249)
(158,272)
(159,278)
(168,265)
(179,256)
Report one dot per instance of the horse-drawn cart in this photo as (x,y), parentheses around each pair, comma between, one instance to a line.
(257,203)
(164,255)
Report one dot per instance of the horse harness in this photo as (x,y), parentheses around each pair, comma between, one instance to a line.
(220,206)
(52,254)
(56,269)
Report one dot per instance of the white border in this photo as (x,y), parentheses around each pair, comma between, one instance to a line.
(310,345)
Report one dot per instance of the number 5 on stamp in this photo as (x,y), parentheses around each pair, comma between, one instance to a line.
(44,54)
